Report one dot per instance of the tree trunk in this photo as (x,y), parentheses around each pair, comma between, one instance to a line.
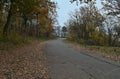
(5,29)
(110,39)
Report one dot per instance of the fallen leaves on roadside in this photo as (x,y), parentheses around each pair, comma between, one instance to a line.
(28,62)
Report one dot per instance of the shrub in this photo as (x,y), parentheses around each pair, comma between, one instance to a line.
(72,37)
(15,38)
(90,42)
(81,41)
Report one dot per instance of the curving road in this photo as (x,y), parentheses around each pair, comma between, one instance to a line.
(65,62)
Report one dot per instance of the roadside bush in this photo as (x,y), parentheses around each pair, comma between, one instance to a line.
(90,42)
(72,37)
(12,40)
(80,41)
(15,38)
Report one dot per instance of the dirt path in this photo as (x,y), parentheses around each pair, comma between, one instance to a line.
(28,62)
(66,62)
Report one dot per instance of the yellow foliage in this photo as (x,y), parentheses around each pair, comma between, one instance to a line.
(72,36)
(98,37)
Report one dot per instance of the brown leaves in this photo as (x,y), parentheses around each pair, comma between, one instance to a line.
(28,62)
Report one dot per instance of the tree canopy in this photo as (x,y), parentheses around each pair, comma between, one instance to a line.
(90,26)
(40,11)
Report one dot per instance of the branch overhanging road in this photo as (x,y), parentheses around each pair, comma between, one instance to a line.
(65,62)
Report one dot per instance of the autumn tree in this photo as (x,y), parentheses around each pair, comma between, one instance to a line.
(36,10)
(86,24)
(112,10)
(13,7)
(112,7)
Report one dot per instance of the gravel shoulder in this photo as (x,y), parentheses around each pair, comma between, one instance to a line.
(27,62)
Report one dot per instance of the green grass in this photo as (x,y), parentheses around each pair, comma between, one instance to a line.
(6,43)
(14,41)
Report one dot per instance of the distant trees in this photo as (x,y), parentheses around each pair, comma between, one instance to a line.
(64,30)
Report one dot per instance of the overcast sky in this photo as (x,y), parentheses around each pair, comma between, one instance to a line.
(64,8)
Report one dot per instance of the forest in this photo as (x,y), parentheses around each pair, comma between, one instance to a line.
(21,20)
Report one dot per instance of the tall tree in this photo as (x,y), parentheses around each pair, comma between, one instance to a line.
(86,24)
(112,7)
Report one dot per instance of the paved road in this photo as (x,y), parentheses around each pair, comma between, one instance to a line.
(67,63)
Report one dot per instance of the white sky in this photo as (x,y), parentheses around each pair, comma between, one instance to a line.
(64,9)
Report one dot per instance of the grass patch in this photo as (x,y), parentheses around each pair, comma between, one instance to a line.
(9,43)
(15,40)
(110,51)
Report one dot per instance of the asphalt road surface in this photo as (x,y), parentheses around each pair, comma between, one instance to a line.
(65,62)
